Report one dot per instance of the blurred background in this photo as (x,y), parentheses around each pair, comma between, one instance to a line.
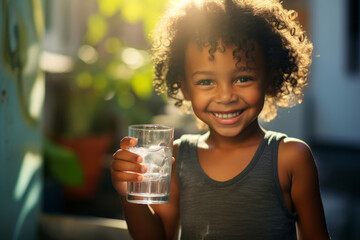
(75,73)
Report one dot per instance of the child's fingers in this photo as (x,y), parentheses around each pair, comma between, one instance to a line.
(126,176)
(126,155)
(127,142)
(125,166)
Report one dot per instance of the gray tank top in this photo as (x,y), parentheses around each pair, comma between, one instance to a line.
(249,206)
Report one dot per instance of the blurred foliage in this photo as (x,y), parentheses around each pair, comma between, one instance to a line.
(62,164)
(110,71)
(134,11)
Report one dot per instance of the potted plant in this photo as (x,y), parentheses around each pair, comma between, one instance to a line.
(110,87)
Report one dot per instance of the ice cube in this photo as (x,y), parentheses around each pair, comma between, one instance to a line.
(156,157)
(139,150)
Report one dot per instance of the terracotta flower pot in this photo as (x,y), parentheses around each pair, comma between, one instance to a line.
(91,154)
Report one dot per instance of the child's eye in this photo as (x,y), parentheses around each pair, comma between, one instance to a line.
(243,79)
(204,82)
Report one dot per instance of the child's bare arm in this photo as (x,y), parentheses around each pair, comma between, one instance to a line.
(304,191)
(169,212)
(143,222)
(160,221)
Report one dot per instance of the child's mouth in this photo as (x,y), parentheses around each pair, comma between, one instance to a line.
(227,115)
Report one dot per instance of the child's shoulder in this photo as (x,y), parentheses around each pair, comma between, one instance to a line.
(294,154)
(289,147)
(293,147)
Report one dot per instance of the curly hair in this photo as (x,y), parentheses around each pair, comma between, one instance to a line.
(286,48)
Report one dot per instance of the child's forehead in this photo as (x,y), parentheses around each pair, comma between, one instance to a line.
(243,49)
(246,57)
(242,46)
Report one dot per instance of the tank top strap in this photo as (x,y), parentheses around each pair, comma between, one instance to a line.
(273,138)
(187,151)
(188,142)
(189,139)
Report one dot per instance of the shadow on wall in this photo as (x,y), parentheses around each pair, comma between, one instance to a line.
(22,93)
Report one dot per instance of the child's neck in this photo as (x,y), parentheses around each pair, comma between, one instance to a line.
(252,135)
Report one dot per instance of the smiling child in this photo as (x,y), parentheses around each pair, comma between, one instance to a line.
(234,61)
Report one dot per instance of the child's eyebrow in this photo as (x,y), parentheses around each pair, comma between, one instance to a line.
(202,72)
(246,69)
(238,70)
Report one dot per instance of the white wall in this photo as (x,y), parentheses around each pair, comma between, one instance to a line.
(330,112)
(336,93)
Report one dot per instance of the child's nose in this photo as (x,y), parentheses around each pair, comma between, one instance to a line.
(226,95)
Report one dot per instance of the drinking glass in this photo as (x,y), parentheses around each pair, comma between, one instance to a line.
(155,145)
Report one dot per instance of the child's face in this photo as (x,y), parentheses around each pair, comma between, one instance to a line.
(226,96)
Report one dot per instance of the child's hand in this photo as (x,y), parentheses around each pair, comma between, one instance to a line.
(126,166)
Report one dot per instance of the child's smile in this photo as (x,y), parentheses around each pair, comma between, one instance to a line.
(227,117)
(226,94)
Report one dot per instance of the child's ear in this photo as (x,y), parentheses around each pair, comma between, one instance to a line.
(184,89)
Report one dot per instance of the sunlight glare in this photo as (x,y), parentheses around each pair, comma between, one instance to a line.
(37,96)
(88,54)
(56,63)
(31,163)
(132,57)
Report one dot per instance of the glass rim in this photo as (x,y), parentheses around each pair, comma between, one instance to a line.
(155,127)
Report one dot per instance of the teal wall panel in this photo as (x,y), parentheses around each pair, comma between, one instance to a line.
(21,98)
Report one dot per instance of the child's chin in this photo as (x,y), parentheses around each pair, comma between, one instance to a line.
(228,132)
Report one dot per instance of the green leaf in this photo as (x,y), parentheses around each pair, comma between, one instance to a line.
(142,85)
(109,7)
(63,164)
(126,100)
(112,45)
(97,29)
(133,11)
(84,80)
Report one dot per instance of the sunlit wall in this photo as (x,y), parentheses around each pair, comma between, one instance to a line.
(22,93)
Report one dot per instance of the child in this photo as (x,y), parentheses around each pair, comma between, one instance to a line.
(233,60)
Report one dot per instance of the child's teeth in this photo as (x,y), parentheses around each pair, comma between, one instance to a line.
(227,115)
